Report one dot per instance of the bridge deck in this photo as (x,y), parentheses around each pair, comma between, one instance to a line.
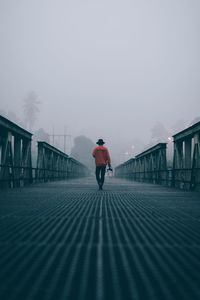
(66,240)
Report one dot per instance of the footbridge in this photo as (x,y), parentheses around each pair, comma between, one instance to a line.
(16,159)
(61,238)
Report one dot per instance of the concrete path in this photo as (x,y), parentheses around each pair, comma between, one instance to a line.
(69,241)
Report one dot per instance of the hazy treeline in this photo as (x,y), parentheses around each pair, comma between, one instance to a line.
(81,146)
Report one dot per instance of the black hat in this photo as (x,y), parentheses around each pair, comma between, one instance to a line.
(100,142)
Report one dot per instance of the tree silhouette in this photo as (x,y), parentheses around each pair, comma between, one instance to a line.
(159,133)
(195,120)
(178,126)
(42,135)
(39,135)
(82,151)
(31,109)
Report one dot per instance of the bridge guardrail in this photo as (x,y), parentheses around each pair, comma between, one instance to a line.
(16,159)
(21,180)
(151,165)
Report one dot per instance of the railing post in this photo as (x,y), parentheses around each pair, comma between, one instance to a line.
(17,161)
(26,161)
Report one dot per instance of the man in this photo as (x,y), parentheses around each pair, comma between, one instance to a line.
(102,158)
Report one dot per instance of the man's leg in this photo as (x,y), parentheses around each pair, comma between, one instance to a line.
(103,171)
(98,169)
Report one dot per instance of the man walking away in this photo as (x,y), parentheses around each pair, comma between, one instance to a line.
(102,158)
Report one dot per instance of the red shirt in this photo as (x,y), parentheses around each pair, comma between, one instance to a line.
(101,155)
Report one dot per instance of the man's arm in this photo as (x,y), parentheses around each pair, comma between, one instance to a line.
(108,159)
(94,152)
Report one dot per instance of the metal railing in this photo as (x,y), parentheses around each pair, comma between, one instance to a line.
(26,175)
(151,165)
(16,159)
(186,179)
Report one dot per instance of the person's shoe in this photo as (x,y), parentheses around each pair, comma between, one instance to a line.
(100,187)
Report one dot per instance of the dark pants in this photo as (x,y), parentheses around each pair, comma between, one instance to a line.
(100,174)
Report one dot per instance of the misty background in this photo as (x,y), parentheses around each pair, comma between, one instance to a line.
(125,71)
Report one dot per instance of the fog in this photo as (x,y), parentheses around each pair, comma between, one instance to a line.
(103,69)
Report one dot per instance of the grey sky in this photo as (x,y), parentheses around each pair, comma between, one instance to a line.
(106,69)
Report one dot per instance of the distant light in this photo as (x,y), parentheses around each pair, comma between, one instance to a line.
(169,139)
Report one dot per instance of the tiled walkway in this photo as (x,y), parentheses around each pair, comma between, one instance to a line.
(69,241)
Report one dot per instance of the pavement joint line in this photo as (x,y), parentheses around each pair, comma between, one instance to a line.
(100,289)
